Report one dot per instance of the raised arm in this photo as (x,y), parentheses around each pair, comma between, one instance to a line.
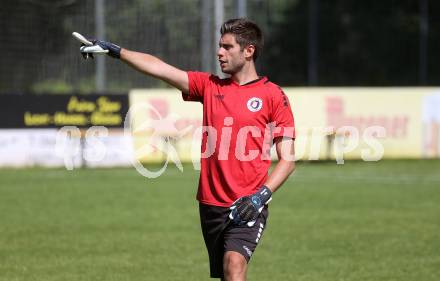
(145,63)
(153,66)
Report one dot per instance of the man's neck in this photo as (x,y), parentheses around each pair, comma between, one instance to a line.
(246,74)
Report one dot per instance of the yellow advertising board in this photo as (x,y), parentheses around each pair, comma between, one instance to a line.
(161,123)
(331,123)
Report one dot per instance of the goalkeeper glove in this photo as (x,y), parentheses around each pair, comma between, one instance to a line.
(101,47)
(93,46)
(247,208)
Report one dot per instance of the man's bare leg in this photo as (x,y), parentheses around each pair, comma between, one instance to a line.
(234,266)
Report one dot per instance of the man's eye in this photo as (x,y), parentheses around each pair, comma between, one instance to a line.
(226,47)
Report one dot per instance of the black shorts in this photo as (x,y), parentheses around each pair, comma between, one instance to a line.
(222,235)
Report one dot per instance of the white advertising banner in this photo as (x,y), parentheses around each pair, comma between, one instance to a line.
(68,147)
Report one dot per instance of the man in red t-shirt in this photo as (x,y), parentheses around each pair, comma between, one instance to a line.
(242,117)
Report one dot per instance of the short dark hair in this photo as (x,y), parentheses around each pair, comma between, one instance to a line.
(246,33)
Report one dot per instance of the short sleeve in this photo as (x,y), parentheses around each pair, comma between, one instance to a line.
(282,116)
(197,84)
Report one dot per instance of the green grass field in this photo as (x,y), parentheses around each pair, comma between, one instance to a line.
(359,221)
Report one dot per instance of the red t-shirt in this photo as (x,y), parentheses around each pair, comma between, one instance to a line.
(237,136)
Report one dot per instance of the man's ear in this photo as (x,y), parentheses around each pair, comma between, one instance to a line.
(249,51)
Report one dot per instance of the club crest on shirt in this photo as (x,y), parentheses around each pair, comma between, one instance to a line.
(254,104)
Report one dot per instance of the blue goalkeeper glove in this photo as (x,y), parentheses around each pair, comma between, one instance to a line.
(101,47)
(247,208)
(89,47)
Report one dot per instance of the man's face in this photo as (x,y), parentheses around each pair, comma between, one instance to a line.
(230,55)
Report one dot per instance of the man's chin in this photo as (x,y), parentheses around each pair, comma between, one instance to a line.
(227,71)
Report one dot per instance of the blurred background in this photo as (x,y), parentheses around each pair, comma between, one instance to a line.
(308,42)
(355,63)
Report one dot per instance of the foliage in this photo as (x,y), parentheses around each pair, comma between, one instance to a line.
(360,43)
(52,86)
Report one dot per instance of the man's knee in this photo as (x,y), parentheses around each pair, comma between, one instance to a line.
(234,266)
